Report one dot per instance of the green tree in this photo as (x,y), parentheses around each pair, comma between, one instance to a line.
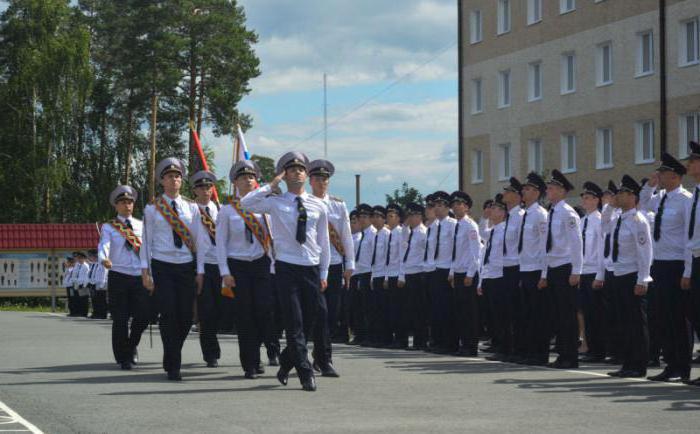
(267,166)
(404,195)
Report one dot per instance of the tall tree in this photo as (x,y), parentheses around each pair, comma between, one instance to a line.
(404,195)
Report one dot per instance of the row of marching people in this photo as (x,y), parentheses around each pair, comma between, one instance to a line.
(85,280)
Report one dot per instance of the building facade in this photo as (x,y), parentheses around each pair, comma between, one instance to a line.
(574,85)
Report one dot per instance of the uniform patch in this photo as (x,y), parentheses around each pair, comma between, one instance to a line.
(572,223)
(642,239)
(473,235)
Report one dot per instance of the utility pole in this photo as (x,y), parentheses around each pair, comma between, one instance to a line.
(325,116)
(357,190)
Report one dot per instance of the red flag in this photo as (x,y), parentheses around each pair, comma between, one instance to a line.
(202,158)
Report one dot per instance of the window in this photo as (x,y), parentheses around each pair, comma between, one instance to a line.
(568,153)
(689,44)
(504,89)
(644,142)
(604,148)
(477,96)
(645,53)
(504,169)
(535,156)
(503,16)
(568,73)
(535,79)
(689,130)
(475,26)
(534,11)
(566,6)
(604,64)
(477,167)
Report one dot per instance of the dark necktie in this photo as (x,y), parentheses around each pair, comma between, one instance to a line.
(454,242)
(359,246)
(213,241)
(127,244)
(427,244)
(487,255)
(691,226)
(437,241)
(408,248)
(657,218)
(176,238)
(583,234)
(301,221)
(549,230)
(505,232)
(388,248)
(606,250)
(92,270)
(522,230)
(374,250)
(616,236)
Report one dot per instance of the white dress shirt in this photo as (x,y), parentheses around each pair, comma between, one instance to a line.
(379,247)
(339,219)
(80,275)
(484,228)
(99,277)
(674,226)
(607,224)
(113,247)
(534,250)
(392,258)
(593,236)
(282,208)
(445,229)
(158,240)
(566,238)
(364,245)
(232,240)
(634,247)
(512,234)
(492,263)
(414,243)
(467,247)
(206,251)
(67,280)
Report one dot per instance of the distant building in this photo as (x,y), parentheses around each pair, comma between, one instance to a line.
(574,85)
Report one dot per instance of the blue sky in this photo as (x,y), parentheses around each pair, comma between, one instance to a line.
(406,133)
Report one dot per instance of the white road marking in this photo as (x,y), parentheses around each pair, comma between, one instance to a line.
(14,418)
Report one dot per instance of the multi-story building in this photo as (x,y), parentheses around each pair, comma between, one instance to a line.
(575,85)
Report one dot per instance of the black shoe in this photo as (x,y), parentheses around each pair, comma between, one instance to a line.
(135,357)
(309,384)
(463,352)
(212,363)
(355,342)
(315,366)
(283,376)
(696,360)
(561,364)
(668,376)
(251,375)
(174,376)
(260,369)
(535,362)
(617,373)
(517,359)
(612,361)
(632,373)
(653,363)
(695,382)
(329,371)
(497,357)
(125,366)
(488,349)
(273,361)
(589,358)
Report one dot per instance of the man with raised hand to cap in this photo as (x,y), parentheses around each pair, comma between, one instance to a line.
(589,302)
(118,252)
(414,316)
(376,302)
(362,275)
(631,256)
(243,247)
(664,195)
(394,217)
(302,256)
(564,260)
(485,219)
(172,225)
(463,277)
(691,274)
(341,266)
(208,279)
(532,249)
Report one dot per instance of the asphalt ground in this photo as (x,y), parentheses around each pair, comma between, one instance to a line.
(57,375)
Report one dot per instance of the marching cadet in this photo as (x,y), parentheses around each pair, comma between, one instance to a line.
(172,225)
(97,280)
(118,252)
(611,302)
(302,256)
(243,247)
(69,266)
(564,260)
(691,273)
(631,253)
(532,246)
(208,279)
(411,277)
(590,312)
(664,195)
(81,284)
(377,300)
(440,261)
(362,275)
(394,217)
(342,261)
(491,272)
(463,277)
(342,334)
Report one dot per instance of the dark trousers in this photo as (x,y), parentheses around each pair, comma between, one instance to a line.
(466,313)
(375,310)
(402,310)
(693,310)
(302,302)
(592,305)
(494,287)
(255,305)
(393,309)
(669,315)
(209,312)
(127,299)
(71,301)
(333,296)
(510,307)
(342,332)
(175,294)
(360,297)
(615,335)
(417,312)
(635,349)
(566,324)
(99,303)
(653,308)
(439,287)
(82,302)
(538,328)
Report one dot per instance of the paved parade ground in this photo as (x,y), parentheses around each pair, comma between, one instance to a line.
(57,376)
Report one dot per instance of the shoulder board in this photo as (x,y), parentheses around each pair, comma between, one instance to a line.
(187,199)
(336,199)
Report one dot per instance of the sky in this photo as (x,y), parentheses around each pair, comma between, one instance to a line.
(392,91)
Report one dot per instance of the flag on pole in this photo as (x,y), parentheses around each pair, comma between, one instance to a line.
(241,147)
(202,158)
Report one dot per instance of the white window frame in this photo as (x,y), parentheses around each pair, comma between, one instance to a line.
(505,163)
(566,6)
(477,166)
(643,51)
(601,134)
(686,121)
(600,64)
(565,73)
(534,12)
(535,81)
(535,155)
(504,17)
(683,58)
(639,129)
(505,95)
(476,27)
(568,139)
(477,96)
